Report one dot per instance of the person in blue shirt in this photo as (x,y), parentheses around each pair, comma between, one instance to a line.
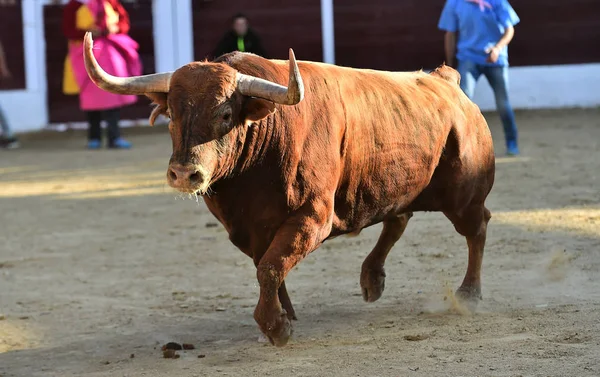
(484,28)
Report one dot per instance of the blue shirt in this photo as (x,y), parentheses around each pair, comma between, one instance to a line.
(478,29)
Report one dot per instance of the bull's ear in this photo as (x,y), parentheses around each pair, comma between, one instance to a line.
(256,109)
(160,102)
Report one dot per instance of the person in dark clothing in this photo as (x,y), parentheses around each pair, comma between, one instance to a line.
(239,38)
(7,138)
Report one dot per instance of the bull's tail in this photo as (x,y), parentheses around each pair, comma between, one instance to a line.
(447,73)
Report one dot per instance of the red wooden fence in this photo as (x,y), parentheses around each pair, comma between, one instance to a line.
(11,35)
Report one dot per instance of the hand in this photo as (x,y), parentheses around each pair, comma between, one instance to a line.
(493,54)
(96,32)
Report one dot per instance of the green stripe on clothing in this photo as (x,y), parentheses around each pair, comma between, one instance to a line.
(240,43)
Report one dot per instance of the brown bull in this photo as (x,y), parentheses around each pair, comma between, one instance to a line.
(283,175)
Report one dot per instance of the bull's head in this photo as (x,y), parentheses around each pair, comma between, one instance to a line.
(209,105)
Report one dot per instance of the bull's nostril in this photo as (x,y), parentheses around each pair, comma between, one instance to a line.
(172,175)
(195,178)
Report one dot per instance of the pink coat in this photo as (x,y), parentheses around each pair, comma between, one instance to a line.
(117,55)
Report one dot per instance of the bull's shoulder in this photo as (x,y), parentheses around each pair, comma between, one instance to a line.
(447,73)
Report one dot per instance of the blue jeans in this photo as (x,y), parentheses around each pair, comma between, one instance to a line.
(498,79)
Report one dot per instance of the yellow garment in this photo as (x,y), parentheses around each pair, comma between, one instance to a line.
(69,84)
(84,20)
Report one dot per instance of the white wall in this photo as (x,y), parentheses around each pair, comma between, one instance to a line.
(173,34)
(328,31)
(547,87)
(26,109)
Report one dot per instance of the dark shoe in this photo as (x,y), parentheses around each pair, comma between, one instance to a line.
(10,143)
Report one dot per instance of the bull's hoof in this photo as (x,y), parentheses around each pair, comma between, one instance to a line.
(469,297)
(372,283)
(279,331)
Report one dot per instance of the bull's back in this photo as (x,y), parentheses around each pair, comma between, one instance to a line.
(395,128)
(378,137)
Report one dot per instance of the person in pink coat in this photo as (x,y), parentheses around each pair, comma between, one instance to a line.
(114,49)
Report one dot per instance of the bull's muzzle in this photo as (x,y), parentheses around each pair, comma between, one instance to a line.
(186,178)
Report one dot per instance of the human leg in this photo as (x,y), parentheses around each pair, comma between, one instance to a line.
(6,131)
(498,79)
(94,129)
(469,74)
(9,141)
(114,132)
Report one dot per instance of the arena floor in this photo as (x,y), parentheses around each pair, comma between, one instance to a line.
(100,260)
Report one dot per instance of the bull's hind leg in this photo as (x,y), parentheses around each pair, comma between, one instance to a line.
(372,276)
(472,223)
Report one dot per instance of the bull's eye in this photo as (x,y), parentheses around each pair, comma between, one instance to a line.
(226,117)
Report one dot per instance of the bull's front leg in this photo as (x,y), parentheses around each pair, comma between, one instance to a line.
(286,303)
(298,236)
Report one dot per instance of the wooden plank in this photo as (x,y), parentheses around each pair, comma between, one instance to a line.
(388,35)
(64,108)
(11,35)
(556,32)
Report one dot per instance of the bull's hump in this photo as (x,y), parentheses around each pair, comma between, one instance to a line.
(447,73)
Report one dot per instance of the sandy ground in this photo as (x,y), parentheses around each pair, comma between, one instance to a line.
(101,263)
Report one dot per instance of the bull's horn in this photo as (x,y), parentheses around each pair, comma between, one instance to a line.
(257,87)
(155,83)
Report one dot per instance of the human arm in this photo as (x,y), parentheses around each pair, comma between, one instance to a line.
(4,71)
(449,23)
(494,51)
(507,18)
(450,47)
(258,47)
(260,50)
